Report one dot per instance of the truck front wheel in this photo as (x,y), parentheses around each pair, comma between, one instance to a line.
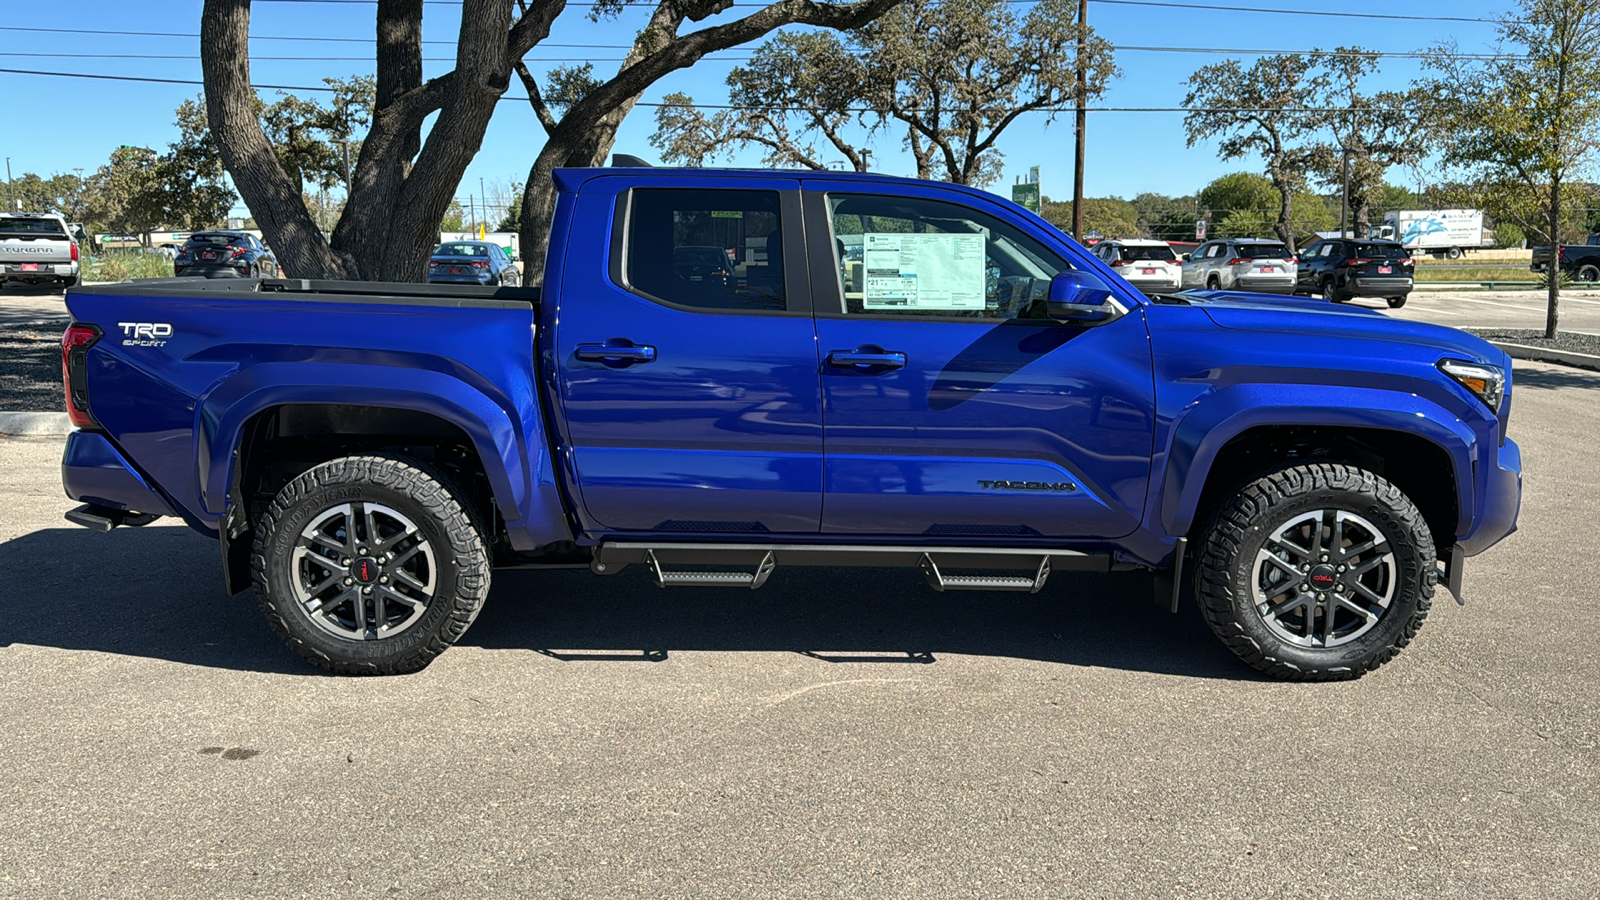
(1588,272)
(369,565)
(1317,572)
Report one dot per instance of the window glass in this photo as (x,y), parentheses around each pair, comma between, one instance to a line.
(30,225)
(909,256)
(1216,250)
(1151,251)
(1262,251)
(477,251)
(1380,251)
(715,249)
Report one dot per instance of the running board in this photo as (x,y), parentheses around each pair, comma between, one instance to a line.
(704,565)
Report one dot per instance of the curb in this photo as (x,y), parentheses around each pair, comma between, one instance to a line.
(1541,354)
(34,424)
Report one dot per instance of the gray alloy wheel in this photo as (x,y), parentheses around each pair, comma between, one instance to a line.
(1213,283)
(1328,291)
(363,571)
(1324,578)
(1588,272)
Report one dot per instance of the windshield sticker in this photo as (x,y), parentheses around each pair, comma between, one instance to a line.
(923,271)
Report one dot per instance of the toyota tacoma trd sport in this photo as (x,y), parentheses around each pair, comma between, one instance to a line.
(969,394)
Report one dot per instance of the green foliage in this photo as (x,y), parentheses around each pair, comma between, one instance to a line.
(1509,234)
(1113,217)
(455,218)
(120,266)
(512,220)
(950,75)
(1562,276)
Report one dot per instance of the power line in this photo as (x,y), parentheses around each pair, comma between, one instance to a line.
(518,99)
(254,58)
(538,59)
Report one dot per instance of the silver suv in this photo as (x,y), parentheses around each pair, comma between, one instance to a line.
(1241,264)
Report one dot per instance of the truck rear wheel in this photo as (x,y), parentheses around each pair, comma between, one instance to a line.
(1317,572)
(1588,272)
(369,565)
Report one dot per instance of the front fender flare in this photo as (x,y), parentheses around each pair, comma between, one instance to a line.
(1201,433)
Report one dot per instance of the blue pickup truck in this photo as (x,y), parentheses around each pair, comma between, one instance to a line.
(885,373)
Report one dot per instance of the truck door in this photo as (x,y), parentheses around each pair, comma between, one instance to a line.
(686,358)
(953,406)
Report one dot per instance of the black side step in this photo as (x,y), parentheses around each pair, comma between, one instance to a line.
(104,518)
(675,564)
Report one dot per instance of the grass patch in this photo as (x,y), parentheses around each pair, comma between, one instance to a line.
(118,266)
(1474,273)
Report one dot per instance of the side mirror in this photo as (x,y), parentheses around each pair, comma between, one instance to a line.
(1185,257)
(1082,298)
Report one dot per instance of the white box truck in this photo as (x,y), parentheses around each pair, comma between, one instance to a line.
(1441,232)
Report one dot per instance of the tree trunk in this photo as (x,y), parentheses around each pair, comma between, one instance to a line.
(278,208)
(1552,316)
(1285,209)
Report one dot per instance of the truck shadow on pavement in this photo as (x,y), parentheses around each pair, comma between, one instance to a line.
(157,592)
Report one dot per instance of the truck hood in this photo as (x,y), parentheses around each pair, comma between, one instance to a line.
(1321,320)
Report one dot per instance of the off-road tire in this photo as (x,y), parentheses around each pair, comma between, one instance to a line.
(1239,529)
(420,493)
(1397,302)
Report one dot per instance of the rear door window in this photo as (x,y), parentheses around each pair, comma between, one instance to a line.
(1147,253)
(1380,251)
(709,249)
(1262,251)
(31,226)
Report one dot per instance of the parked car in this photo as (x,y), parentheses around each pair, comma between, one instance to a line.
(1581,261)
(1150,266)
(1339,270)
(992,403)
(694,263)
(37,248)
(224,254)
(472,262)
(1241,264)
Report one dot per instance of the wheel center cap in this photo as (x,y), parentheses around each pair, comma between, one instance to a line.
(1322,578)
(365,570)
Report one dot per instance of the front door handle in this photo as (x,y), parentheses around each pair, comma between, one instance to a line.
(867,357)
(616,350)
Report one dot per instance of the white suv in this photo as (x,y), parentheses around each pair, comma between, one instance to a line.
(1242,264)
(1150,266)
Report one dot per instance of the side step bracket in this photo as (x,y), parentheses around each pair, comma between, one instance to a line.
(665,577)
(942,582)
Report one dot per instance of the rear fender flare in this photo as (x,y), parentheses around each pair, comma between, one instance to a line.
(1206,428)
(221,414)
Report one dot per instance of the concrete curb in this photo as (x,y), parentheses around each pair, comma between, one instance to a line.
(34,424)
(1559,357)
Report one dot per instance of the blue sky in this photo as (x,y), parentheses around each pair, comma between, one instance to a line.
(1128,153)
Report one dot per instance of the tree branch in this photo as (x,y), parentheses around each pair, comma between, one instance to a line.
(540,110)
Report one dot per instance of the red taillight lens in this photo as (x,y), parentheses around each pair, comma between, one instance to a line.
(480,265)
(1119,262)
(1357,262)
(1406,262)
(74,251)
(240,251)
(1237,261)
(75,344)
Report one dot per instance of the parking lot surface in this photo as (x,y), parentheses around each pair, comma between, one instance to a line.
(839,733)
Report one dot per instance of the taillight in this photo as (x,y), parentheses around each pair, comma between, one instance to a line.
(75,344)
(480,265)
(74,251)
(1356,262)
(1120,262)
(1408,261)
(1238,261)
(240,251)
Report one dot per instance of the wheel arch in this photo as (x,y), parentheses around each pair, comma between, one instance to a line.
(1410,441)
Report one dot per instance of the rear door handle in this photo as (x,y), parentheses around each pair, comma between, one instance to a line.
(868,357)
(616,350)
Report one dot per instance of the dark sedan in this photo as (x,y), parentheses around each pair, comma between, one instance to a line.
(472,262)
(225,254)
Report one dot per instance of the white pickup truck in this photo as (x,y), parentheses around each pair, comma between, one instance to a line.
(36,248)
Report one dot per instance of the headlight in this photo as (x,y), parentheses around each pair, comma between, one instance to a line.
(1488,382)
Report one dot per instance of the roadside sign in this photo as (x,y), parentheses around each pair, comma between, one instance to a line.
(1026,195)
(1199,229)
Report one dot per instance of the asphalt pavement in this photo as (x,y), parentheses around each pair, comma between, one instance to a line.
(838,733)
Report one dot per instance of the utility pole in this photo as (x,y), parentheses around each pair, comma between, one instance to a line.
(472,210)
(485,195)
(12,185)
(1344,194)
(1082,120)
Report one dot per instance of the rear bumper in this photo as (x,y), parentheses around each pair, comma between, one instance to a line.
(94,472)
(1378,286)
(1502,500)
(461,279)
(211,270)
(1265,286)
(44,270)
(1148,283)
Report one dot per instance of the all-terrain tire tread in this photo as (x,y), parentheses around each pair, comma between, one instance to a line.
(426,486)
(1225,533)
